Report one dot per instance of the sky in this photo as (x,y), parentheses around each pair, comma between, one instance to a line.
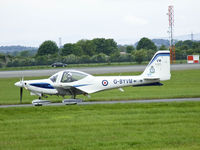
(31,22)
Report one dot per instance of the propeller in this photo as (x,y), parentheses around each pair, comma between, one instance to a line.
(21,94)
(22,85)
(21,88)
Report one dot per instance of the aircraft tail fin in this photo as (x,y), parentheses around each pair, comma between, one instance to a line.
(158,67)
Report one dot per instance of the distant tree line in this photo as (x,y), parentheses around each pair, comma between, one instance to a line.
(98,50)
(188,47)
(16,48)
(82,47)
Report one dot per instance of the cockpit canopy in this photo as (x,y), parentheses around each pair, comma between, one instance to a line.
(68,76)
(53,78)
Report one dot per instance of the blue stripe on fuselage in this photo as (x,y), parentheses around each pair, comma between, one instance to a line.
(42,85)
(159,54)
(80,85)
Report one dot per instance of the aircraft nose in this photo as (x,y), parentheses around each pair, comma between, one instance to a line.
(19,84)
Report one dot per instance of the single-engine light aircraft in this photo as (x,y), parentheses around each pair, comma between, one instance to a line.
(73,82)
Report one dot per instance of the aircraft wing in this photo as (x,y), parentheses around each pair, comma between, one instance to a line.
(79,89)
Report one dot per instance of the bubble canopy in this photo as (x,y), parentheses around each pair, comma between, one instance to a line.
(68,76)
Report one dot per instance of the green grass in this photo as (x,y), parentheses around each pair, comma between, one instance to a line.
(150,126)
(182,84)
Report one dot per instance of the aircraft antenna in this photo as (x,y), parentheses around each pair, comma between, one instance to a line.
(171,31)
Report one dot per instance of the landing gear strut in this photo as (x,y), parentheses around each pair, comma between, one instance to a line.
(73,94)
(73,99)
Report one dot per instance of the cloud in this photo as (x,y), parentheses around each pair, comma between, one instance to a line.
(135,20)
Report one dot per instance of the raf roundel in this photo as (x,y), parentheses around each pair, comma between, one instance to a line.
(104,82)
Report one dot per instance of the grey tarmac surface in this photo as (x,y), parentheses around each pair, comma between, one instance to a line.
(111,102)
(91,70)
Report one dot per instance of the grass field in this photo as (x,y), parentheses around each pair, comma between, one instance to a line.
(146,126)
(182,84)
(150,126)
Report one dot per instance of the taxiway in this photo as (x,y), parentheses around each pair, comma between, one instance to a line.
(91,70)
(111,102)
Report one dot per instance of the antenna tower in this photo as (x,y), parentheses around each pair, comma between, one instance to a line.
(171,30)
(192,35)
(60,42)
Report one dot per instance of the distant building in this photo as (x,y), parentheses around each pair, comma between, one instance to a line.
(122,53)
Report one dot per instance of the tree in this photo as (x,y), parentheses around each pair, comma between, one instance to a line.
(184,45)
(85,59)
(180,54)
(146,43)
(188,43)
(2,58)
(47,47)
(163,47)
(140,55)
(71,49)
(106,46)
(114,57)
(24,53)
(71,59)
(67,49)
(149,54)
(99,58)
(129,49)
(77,50)
(111,47)
(195,45)
(87,46)
(41,60)
(100,44)
(179,44)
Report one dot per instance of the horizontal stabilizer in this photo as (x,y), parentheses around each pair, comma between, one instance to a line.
(150,84)
(151,78)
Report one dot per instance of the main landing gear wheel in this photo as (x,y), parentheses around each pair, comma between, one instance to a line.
(71,101)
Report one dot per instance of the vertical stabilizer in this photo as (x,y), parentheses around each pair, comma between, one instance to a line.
(158,67)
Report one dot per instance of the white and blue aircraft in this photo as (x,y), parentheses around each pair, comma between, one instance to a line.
(73,82)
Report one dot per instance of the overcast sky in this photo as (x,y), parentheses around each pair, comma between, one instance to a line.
(31,22)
